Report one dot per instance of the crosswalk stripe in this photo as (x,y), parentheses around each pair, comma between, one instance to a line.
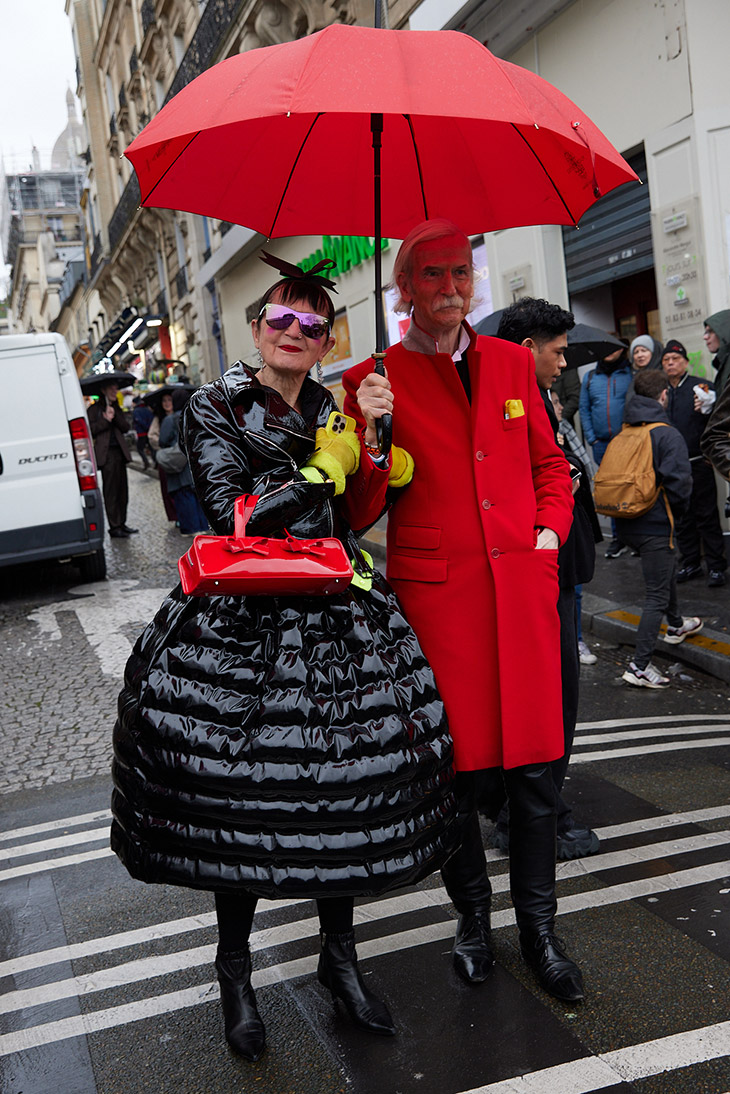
(676,1050)
(648,750)
(587,740)
(54,825)
(652,719)
(43,846)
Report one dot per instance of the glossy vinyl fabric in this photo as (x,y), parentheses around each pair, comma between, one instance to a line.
(278,745)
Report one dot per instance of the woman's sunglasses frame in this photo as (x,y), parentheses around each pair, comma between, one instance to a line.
(287,316)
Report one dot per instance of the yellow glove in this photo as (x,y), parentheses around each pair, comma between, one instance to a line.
(401,467)
(337,453)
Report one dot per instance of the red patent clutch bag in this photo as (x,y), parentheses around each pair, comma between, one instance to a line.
(241,565)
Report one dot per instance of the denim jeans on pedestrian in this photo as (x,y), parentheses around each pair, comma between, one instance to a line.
(659,566)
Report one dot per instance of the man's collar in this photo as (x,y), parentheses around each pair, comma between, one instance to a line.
(417,340)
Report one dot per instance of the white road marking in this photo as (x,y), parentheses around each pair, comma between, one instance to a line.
(104,609)
(648,750)
(54,825)
(38,847)
(635,1062)
(649,734)
(607,723)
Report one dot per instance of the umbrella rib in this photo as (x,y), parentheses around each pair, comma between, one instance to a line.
(293,169)
(169,167)
(418,165)
(546,173)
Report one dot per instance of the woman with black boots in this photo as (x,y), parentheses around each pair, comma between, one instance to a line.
(272,746)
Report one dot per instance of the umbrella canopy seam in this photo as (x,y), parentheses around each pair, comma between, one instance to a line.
(293,169)
(545,172)
(169,167)
(418,164)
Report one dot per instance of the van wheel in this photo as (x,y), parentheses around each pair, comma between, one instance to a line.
(93,567)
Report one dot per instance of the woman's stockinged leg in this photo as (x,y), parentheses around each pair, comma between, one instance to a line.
(245,1031)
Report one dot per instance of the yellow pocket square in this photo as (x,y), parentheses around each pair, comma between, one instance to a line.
(513,408)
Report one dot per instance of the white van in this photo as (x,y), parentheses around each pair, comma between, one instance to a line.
(50,502)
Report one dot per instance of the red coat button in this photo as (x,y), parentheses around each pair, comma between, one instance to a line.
(480,455)
(495,552)
(486,504)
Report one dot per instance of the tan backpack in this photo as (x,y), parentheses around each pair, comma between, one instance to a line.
(625,484)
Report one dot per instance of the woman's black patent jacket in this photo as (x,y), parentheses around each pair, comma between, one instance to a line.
(244,438)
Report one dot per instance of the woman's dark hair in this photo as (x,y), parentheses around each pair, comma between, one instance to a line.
(650,383)
(309,289)
(536,319)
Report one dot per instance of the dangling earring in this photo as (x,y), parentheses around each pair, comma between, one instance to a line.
(320,373)
(259,358)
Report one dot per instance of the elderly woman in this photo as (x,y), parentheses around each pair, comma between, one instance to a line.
(281,746)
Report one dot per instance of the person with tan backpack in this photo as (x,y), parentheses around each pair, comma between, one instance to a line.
(645,482)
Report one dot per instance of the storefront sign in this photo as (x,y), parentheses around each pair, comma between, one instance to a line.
(346,251)
(680,277)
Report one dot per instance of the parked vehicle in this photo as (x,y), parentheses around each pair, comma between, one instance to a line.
(50,501)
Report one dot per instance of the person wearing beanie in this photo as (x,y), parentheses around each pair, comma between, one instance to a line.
(698,531)
(645,352)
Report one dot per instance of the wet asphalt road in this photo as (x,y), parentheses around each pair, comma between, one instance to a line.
(107,984)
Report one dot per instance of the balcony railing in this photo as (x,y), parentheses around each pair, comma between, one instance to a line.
(96,254)
(133,62)
(122,97)
(121,216)
(113,126)
(207,40)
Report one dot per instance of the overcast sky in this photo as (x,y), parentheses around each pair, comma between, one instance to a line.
(37,65)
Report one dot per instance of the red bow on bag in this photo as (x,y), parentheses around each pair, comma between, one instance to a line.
(241,565)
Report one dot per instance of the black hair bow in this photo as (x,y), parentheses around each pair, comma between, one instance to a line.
(288,269)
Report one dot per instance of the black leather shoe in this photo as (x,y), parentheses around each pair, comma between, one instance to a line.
(118,533)
(338,971)
(577,842)
(716,578)
(245,1031)
(686,573)
(130,531)
(556,973)
(471,953)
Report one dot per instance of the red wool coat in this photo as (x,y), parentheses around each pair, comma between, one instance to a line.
(461,555)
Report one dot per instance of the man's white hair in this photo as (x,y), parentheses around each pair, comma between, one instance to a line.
(438,228)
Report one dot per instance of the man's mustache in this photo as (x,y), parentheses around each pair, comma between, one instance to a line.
(449,302)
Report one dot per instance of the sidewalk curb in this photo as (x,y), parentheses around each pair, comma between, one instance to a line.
(709,651)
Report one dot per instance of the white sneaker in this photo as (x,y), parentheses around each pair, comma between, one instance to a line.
(585,654)
(650,677)
(675,635)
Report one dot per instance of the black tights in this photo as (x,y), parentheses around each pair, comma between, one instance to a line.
(235,912)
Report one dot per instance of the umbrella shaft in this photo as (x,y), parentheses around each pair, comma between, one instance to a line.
(376,127)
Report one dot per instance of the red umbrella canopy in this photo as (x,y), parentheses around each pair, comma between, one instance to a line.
(279,139)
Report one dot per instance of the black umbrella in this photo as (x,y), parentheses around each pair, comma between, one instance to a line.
(585,344)
(92,385)
(153,399)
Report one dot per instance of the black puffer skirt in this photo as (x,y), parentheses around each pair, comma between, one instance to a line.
(282,746)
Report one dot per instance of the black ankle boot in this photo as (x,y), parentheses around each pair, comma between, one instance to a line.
(338,971)
(471,953)
(557,974)
(245,1031)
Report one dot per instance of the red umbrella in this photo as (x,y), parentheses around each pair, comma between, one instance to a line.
(287,140)
(279,139)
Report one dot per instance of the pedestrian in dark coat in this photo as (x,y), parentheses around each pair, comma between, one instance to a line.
(109,426)
(281,746)
(179,484)
(717,340)
(699,532)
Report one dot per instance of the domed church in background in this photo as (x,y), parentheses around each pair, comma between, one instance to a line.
(66,155)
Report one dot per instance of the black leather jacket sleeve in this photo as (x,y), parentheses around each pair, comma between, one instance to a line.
(221,472)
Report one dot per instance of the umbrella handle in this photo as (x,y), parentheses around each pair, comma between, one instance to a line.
(384,425)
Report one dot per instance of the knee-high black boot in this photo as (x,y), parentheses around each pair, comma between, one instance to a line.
(532,840)
(467,883)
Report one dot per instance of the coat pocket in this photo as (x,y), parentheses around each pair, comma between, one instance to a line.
(418,536)
(410,568)
(515,423)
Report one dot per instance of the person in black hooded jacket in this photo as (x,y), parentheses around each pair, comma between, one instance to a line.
(652,533)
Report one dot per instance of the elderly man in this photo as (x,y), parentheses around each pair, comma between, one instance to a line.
(109,424)
(472,554)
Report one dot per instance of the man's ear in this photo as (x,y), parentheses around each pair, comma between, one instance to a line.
(402,282)
(529,343)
